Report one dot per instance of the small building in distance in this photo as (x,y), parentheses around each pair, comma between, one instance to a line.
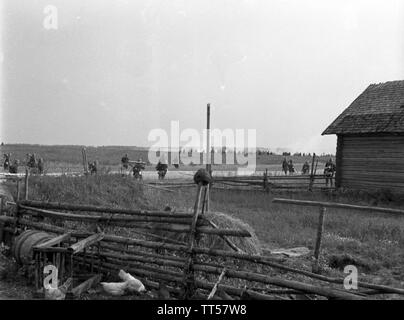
(370,140)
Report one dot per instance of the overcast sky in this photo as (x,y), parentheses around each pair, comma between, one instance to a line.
(114,70)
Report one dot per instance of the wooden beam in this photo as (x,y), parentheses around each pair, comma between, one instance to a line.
(89,208)
(89,283)
(54,241)
(214,289)
(173,226)
(396,212)
(85,243)
(269,261)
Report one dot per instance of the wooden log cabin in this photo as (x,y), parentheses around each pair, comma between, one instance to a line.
(370,140)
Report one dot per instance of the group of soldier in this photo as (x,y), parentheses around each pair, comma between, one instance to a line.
(287,166)
(93,167)
(139,165)
(329,169)
(33,162)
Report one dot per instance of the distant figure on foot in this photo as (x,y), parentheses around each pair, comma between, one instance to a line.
(125,161)
(285,166)
(92,167)
(306,168)
(329,171)
(14,167)
(291,168)
(7,161)
(137,169)
(40,166)
(31,160)
(162,169)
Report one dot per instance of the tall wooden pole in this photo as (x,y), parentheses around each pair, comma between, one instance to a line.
(18,189)
(26,183)
(208,156)
(312,173)
(85,164)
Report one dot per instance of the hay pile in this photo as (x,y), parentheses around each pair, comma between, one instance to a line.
(249,245)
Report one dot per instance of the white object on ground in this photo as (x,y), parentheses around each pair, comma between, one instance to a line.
(133,283)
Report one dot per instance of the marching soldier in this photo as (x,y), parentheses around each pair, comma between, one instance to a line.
(125,161)
(14,167)
(137,169)
(92,166)
(40,166)
(161,169)
(291,168)
(329,171)
(306,168)
(6,164)
(285,166)
(31,160)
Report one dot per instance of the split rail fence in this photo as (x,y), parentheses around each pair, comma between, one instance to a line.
(91,241)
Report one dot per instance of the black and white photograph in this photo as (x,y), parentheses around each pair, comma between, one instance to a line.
(201,153)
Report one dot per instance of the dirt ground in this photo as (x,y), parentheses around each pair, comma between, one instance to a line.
(13,286)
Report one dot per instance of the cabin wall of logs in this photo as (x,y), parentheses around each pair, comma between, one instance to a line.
(370,162)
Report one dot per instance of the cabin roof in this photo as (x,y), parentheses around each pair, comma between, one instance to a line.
(379,109)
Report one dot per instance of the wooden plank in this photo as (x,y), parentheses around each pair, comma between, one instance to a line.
(85,243)
(214,289)
(54,241)
(86,285)
(395,212)
(89,208)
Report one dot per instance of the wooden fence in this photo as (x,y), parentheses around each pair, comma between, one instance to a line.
(322,212)
(102,239)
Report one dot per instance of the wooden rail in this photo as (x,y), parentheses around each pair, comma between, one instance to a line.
(396,212)
(141,269)
(149,261)
(320,227)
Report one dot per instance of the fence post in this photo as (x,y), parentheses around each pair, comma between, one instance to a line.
(18,190)
(317,249)
(266,185)
(1,223)
(189,280)
(26,183)
(312,173)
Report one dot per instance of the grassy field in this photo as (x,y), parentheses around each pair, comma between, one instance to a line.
(374,243)
(65,158)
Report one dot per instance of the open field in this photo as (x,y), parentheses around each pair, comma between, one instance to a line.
(373,242)
(65,158)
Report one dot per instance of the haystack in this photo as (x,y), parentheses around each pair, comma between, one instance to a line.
(249,245)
